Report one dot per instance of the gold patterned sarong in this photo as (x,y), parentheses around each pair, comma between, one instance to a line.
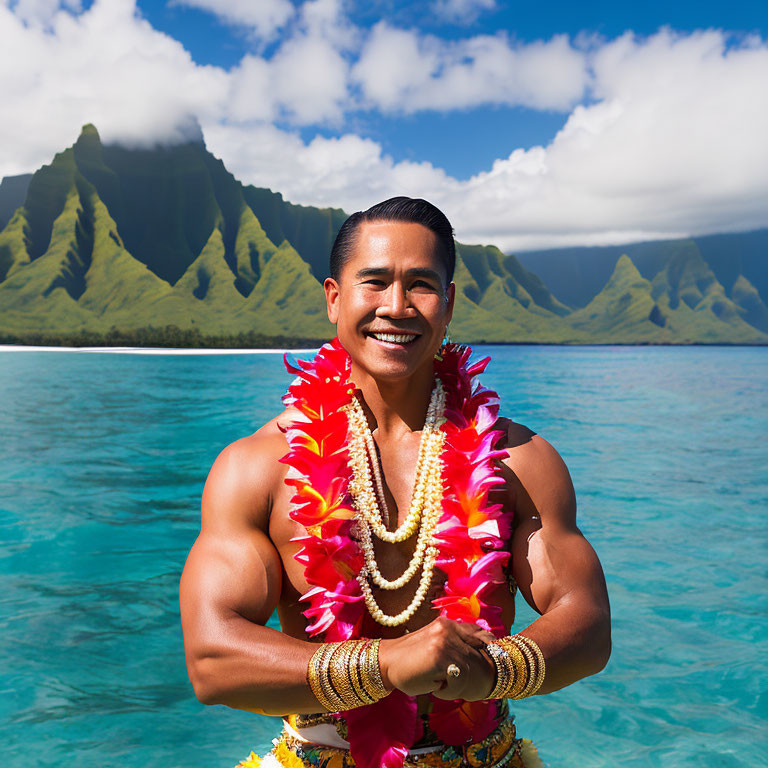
(293,749)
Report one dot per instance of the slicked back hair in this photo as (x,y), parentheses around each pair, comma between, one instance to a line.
(413,210)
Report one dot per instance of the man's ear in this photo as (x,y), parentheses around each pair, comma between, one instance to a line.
(332,299)
(451,293)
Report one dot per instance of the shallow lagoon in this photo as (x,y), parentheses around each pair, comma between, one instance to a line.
(103,461)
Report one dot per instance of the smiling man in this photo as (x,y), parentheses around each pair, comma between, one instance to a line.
(390,514)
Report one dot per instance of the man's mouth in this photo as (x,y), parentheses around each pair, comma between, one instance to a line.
(400,339)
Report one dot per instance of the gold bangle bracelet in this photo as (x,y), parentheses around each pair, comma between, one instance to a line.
(342,675)
(520,665)
(314,674)
(329,690)
(346,675)
(366,662)
(371,673)
(541,666)
(355,664)
(504,670)
(531,661)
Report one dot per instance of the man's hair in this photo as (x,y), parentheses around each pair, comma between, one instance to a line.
(408,209)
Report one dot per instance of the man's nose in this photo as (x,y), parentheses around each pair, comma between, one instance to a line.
(396,302)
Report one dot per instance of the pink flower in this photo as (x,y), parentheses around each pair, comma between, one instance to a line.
(330,557)
(458,722)
(381,734)
(464,590)
(337,612)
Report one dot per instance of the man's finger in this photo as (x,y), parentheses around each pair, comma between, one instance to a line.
(467,631)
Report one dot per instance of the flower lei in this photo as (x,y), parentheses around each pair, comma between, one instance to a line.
(470,535)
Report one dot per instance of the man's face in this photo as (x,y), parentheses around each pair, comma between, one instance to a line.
(394,284)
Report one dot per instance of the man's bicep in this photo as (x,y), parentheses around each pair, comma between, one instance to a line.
(224,582)
(233,569)
(225,578)
(553,566)
(552,561)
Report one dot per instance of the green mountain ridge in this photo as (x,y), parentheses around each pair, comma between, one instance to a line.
(577,274)
(127,239)
(684,304)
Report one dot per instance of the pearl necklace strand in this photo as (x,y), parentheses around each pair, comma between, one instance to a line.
(434,496)
(424,477)
(430,518)
(428,494)
(419,482)
(362,485)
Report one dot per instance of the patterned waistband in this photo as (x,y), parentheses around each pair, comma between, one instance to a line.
(307,725)
(500,749)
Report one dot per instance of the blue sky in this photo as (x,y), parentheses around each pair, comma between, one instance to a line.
(214,42)
(532,125)
(467,141)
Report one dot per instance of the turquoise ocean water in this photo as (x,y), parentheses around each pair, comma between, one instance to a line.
(102,463)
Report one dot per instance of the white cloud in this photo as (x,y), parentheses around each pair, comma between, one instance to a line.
(305,81)
(404,71)
(393,63)
(347,172)
(674,145)
(41,12)
(310,79)
(326,19)
(262,17)
(106,66)
(461,11)
(251,96)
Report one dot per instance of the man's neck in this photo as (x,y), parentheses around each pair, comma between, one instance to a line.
(395,407)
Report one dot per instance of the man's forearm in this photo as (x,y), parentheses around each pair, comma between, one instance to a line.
(575,642)
(255,668)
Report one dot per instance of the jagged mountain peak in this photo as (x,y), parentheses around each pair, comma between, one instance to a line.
(624,273)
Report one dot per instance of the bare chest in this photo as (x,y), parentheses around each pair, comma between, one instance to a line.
(398,463)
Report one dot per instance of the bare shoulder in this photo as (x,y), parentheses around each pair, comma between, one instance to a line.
(542,484)
(243,479)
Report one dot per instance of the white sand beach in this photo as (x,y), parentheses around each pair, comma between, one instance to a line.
(152,350)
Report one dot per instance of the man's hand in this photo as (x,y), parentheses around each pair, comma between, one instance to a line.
(417,663)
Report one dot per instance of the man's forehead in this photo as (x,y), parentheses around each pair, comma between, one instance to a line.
(395,243)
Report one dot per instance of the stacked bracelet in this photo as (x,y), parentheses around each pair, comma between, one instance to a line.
(520,667)
(346,675)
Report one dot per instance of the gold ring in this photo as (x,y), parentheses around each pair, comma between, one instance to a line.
(453,670)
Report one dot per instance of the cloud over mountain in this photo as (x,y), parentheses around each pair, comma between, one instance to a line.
(661,136)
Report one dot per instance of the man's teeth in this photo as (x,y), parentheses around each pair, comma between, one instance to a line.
(396,338)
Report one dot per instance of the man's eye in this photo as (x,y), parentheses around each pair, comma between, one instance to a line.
(422,284)
(373,282)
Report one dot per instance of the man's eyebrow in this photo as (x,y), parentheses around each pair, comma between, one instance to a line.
(415,272)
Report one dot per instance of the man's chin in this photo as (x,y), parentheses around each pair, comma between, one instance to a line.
(391,369)
(389,362)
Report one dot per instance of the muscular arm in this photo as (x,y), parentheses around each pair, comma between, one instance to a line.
(230,586)
(556,569)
